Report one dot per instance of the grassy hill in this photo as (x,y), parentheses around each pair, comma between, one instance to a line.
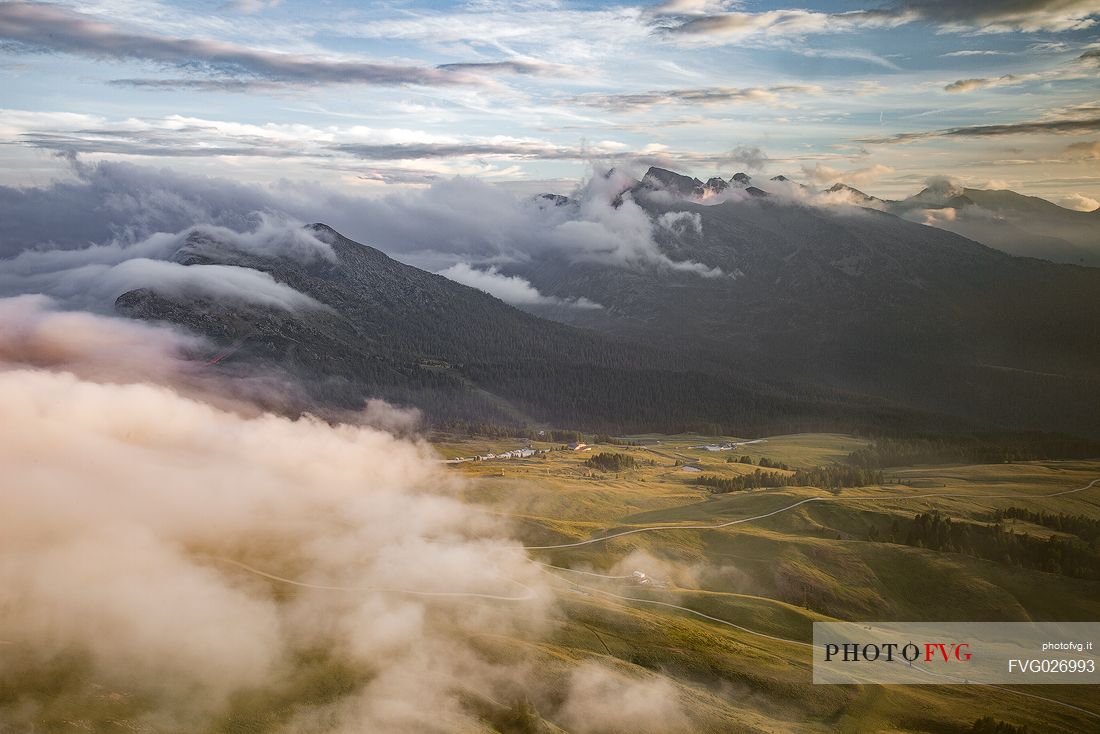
(773,577)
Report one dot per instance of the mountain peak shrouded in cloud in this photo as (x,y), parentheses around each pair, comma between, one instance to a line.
(661,179)
(716,185)
(1017,224)
(852,194)
(851,260)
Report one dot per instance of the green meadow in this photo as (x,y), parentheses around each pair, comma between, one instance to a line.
(841,557)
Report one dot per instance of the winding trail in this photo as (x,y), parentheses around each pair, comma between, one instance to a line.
(808,500)
(530,593)
(612,595)
(800,643)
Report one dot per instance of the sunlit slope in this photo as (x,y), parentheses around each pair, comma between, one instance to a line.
(768,579)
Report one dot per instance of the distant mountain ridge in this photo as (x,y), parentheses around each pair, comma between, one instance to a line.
(860,300)
(1020,225)
(390,330)
(822,318)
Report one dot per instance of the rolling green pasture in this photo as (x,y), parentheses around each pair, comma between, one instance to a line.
(773,577)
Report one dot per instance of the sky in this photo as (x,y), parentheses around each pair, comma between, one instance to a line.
(371,96)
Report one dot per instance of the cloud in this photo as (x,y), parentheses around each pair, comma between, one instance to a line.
(93,277)
(137,522)
(739,25)
(1086,150)
(514,66)
(822,174)
(80,282)
(251,6)
(126,203)
(445,223)
(198,85)
(1079,203)
(969,85)
(612,227)
(52,28)
(35,333)
(942,187)
(747,156)
(693,7)
(938,217)
(176,136)
(1028,16)
(1084,66)
(722,26)
(648,704)
(510,288)
(115,213)
(700,96)
(972,52)
(681,223)
(498,146)
(1030,127)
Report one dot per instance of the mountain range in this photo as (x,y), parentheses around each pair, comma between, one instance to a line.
(385,329)
(855,299)
(1004,220)
(813,317)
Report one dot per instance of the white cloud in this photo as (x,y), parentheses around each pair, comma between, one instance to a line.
(132,515)
(93,277)
(963,15)
(822,174)
(1078,202)
(58,29)
(972,52)
(647,705)
(509,288)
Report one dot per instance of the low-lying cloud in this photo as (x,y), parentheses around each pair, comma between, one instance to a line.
(91,278)
(510,288)
(174,560)
(646,705)
(35,333)
(115,212)
(1079,202)
(138,524)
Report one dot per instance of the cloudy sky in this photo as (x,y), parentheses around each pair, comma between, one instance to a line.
(368,96)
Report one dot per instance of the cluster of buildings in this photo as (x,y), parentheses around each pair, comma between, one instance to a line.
(728,445)
(522,453)
(515,454)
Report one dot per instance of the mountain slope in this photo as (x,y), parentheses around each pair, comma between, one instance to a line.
(1019,225)
(862,301)
(385,329)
